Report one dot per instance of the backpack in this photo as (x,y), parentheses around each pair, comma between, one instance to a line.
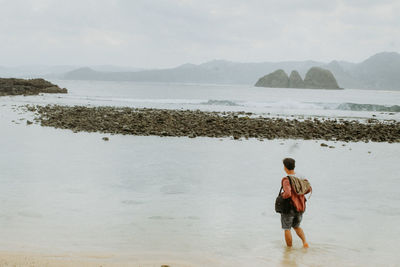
(283,205)
(299,185)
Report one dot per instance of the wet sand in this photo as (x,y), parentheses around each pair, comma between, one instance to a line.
(87,260)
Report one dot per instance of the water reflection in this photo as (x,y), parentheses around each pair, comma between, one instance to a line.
(291,256)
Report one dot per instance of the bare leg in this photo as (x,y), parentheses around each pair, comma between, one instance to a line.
(288,238)
(300,233)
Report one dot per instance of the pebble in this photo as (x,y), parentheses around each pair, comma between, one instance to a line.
(196,123)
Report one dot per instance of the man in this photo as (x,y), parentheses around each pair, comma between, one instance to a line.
(295,189)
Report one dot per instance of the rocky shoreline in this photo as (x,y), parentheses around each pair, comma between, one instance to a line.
(12,86)
(161,122)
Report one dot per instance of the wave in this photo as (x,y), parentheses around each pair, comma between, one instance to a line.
(368,107)
(221,103)
(284,104)
(307,105)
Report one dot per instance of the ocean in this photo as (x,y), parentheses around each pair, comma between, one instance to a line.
(204,201)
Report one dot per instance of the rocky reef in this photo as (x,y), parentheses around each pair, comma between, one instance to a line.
(316,78)
(12,86)
(161,122)
(276,79)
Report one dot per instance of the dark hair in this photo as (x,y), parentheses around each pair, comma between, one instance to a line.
(289,163)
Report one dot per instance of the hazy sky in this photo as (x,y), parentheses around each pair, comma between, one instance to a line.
(165,33)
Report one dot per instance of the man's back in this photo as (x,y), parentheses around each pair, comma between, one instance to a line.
(295,189)
(299,200)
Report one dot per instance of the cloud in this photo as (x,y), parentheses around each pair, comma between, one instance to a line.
(149,33)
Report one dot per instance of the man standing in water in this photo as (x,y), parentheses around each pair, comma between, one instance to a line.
(295,189)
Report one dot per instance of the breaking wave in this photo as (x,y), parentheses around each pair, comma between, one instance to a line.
(307,105)
(284,104)
(221,103)
(368,107)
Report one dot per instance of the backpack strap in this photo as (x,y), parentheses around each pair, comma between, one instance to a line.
(280,191)
(290,181)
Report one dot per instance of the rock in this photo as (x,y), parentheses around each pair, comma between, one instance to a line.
(372,120)
(145,121)
(316,78)
(28,122)
(276,79)
(331,147)
(12,86)
(295,80)
(319,78)
(105,138)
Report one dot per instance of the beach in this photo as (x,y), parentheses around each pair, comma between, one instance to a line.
(72,199)
(90,260)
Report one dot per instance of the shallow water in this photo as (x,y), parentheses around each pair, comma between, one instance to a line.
(265,101)
(207,201)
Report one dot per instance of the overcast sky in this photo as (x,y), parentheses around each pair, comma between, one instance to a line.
(167,33)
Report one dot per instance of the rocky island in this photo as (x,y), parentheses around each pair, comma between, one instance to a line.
(316,78)
(12,86)
(194,123)
(276,79)
(295,80)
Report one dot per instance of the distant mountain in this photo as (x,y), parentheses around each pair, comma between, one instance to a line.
(55,72)
(113,68)
(34,71)
(381,71)
(343,76)
(217,71)
(82,74)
